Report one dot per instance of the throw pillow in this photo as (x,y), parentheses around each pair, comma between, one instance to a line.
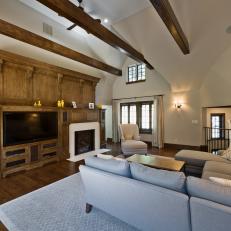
(106,157)
(227,154)
(221,181)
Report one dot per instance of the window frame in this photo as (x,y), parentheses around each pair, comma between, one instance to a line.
(139,114)
(221,125)
(137,80)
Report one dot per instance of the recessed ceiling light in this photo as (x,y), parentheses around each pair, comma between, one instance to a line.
(105,20)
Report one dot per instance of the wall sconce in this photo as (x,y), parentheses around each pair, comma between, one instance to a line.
(178,106)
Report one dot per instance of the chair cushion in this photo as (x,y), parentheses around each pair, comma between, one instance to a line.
(208,190)
(166,179)
(134,144)
(197,158)
(117,167)
(130,147)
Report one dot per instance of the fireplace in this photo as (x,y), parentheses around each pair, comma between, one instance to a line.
(84,141)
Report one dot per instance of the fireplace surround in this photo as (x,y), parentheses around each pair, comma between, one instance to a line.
(75,127)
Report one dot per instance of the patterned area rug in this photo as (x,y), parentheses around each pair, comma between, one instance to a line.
(57,207)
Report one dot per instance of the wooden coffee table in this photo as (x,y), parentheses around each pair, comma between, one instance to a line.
(158,162)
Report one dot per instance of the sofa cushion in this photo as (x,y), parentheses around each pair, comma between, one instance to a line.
(219,167)
(197,158)
(166,179)
(208,190)
(117,167)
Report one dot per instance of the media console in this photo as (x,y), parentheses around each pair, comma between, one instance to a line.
(32,153)
(29,155)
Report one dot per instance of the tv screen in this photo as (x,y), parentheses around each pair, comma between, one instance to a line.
(28,127)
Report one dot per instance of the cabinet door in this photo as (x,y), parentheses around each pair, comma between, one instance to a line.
(16,83)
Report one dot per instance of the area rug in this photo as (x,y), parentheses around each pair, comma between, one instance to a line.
(57,207)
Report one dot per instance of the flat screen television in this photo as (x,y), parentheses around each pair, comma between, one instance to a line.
(28,127)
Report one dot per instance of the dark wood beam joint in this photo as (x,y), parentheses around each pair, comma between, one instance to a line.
(168,16)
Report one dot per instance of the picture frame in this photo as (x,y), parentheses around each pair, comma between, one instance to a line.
(91,106)
(74,104)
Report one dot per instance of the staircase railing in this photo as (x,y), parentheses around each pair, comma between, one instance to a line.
(217,138)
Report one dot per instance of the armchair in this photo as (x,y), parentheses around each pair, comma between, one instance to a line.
(130,140)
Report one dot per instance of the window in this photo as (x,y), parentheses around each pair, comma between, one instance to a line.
(217,125)
(124,117)
(136,73)
(132,114)
(138,113)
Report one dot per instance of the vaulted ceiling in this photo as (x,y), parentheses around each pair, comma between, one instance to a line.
(204,23)
(136,21)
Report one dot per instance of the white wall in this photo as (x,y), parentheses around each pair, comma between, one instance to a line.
(216,89)
(181,127)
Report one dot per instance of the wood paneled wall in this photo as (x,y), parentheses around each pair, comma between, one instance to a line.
(24,80)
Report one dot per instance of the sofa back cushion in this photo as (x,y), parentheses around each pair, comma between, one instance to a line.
(171,180)
(118,167)
(209,190)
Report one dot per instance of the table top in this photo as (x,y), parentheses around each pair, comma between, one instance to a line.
(157,162)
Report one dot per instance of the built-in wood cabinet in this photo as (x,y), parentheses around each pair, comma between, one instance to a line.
(22,82)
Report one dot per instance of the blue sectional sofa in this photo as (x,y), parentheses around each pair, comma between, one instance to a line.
(151,199)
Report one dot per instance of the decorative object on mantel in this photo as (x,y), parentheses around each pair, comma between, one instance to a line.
(74,105)
(37,103)
(99,106)
(91,106)
(60,103)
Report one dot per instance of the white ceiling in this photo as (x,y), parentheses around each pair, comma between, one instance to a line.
(204,23)
(113,10)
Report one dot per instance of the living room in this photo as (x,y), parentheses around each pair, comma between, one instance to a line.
(115,115)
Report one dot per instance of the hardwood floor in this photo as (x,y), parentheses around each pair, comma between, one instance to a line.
(22,183)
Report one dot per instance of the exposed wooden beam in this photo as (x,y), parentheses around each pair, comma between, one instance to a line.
(168,16)
(46,44)
(76,15)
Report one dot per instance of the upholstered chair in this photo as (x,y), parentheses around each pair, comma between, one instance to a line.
(130,140)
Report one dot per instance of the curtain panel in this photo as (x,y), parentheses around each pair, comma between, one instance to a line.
(158,122)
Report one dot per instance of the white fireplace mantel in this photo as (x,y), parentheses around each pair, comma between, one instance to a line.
(82,127)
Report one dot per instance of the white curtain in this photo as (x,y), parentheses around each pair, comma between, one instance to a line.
(115,121)
(158,122)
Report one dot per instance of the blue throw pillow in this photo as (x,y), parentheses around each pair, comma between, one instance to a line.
(117,167)
(166,179)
